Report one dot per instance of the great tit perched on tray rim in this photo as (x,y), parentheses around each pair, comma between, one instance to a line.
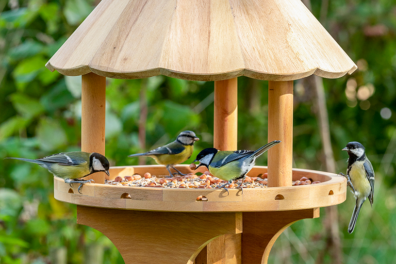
(73,165)
(360,177)
(230,165)
(173,153)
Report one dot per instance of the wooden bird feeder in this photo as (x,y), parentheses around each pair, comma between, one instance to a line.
(219,40)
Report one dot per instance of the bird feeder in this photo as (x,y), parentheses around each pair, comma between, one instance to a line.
(275,40)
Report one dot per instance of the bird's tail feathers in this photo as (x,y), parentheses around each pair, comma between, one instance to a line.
(355,215)
(139,155)
(264,148)
(29,160)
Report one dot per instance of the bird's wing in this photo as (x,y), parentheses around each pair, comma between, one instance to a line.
(370,177)
(171,149)
(224,157)
(67,159)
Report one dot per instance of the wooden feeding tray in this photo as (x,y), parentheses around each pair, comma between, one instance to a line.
(275,40)
(227,225)
(331,191)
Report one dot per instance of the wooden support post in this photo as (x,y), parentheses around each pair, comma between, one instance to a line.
(225,138)
(93,103)
(280,127)
(226,114)
(159,237)
(261,229)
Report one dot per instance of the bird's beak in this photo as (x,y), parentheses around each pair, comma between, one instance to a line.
(107,172)
(196,139)
(345,149)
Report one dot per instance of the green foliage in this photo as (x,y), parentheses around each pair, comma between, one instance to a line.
(41,113)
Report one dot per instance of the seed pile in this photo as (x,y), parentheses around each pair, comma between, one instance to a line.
(195,181)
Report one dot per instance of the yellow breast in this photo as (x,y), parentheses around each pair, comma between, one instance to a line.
(167,159)
(359,179)
(228,172)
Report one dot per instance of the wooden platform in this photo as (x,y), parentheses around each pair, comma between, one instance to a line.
(331,191)
(158,225)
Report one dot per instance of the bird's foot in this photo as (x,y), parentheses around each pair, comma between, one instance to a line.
(224,187)
(69,181)
(179,172)
(81,182)
(241,189)
(349,182)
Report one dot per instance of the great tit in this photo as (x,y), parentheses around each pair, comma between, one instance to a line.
(230,165)
(73,165)
(176,152)
(360,176)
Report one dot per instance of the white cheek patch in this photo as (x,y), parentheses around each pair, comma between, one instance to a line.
(185,140)
(358,152)
(97,165)
(206,159)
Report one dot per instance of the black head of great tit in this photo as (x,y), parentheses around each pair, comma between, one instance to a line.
(99,163)
(360,177)
(73,165)
(205,157)
(173,153)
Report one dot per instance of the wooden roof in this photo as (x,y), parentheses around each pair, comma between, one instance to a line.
(202,40)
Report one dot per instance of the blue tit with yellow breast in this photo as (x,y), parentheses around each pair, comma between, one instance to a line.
(231,165)
(360,176)
(73,165)
(174,153)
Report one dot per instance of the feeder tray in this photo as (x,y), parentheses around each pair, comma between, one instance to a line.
(330,191)
(275,40)
(160,219)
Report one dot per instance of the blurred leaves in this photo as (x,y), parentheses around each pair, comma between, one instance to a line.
(50,134)
(76,11)
(26,106)
(12,126)
(41,115)
(10,203)
(73,84)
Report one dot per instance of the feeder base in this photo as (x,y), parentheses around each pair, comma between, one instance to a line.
(193,238)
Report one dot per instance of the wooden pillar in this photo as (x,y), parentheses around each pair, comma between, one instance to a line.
(280,127)
(226,114)
(93,103)
(224,249)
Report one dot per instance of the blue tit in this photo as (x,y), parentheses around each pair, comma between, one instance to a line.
(360,177)
(176,152)
(73,165)
(230,165)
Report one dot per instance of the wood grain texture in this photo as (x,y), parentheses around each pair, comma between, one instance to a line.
(280,127)
(331,191)
(261,229)
(225,249)
(93,117)
(159,237)
(202,40)
(226,114)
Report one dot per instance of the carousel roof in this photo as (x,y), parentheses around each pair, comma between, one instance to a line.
(205,40)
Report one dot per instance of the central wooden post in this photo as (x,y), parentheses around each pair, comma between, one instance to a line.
(226,248)
(93,113)
(280,127)
(226,114)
